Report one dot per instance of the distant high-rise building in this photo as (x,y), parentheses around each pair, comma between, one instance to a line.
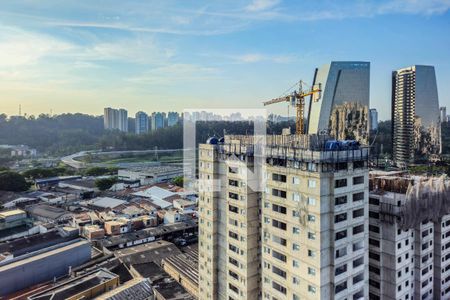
(115,119)
(343,107)
(123,120)
(415,115)
(141,120)
(443,111)
(172,118)
(373,119)
(158,120)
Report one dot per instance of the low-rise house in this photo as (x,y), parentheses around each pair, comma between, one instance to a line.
(93,232)
(104,203)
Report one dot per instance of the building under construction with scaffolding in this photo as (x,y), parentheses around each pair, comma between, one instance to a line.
(409,236)
(283,217)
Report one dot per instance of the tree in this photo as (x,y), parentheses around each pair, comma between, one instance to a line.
(104,184)
(179,180)
(12,181)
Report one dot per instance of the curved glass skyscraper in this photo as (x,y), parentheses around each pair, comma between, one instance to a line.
(343,109)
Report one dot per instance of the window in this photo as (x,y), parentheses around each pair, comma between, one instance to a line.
(358,197)
(358,180)
(341,269)
(278,287)
(233,288)
(278,271)
(296,197)
(358,213)
(341,235)
(374,201)
(374,228)
(279,209)
(358,278)
(279,193)
(295,247)
(311,183)
(358,245)
(311,253)
(295,180)
(338,183)
(340,218)
(358,229)
(295,230)
(233,209)
(279,256)
(278,177)
(374,215)
(295,263)
(279,224)
(311,201)
(311,236)
(311,271)
(357,262)
(311,289)
(279,240)
(375,243)
(340,200)
(340,287)
(233,235)
(341,252)
(233,196)
(374,256)
(311,218)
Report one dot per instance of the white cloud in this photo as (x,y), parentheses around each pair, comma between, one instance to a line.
(261,5)
(258,57)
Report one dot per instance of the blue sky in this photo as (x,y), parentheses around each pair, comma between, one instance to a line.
(69,56)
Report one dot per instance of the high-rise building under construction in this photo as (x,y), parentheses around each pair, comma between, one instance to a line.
(302,236)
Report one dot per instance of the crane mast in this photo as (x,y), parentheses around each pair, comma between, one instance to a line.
(297,99)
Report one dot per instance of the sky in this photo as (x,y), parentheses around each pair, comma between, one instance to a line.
(84,55)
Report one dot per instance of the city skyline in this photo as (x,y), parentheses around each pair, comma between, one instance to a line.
(78,58)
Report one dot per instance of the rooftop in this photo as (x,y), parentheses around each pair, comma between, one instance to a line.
(75,286)
(185,263)
(106,202)
(150,252)
(136,289)
(47,211)
(9,213)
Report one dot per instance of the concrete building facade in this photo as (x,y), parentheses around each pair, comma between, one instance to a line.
(142,124)
(303,237)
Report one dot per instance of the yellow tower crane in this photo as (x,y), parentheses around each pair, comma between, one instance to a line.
(297,99)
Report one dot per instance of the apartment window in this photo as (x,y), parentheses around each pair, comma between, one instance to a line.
(358,245)
(340,218)
(358,278)
(295,180)
(295,230)
(341,252)
(233,209)
(338,183)
(279,256)
(340,200)
(279,272)
(295,213)
(233,261)
(340,287)
(278,287)
(311,183)
(374,201)
(233,288)
(358,213)
(279,240)
(233,235)
(278,177)
(374,270)
(375,243)
(357,262)
(311,236)
(279,224)
(311,289)
(341,235)
(374,256)
(295,247)
(233,196)
(296,280)
(374,215)
(266,220)
(341,269)
(233,274)
(312,167)
(279,209)
(295,263)
(358,197)
(311,253)
(311,201)
(358,229)
(374,228)
(358,180)
(311,271)
(279,193)
(311,218)
(296,197)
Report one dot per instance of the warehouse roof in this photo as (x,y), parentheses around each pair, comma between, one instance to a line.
(135,289)
(107,202)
